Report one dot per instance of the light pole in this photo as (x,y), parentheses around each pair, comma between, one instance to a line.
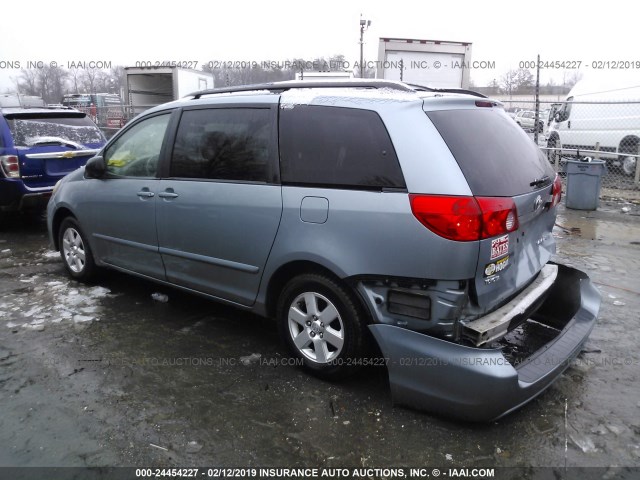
(364,24)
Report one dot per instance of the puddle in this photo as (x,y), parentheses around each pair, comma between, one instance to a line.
(591,228)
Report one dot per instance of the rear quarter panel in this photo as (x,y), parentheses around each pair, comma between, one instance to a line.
(367,233)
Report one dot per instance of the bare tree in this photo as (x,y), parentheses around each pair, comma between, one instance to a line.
(509,82)
(524,80)
(27,83)
(75,75)
(116,76)
(46,82)
(90,78)
(571,77)
(494,84)
(56,85)
(517,81)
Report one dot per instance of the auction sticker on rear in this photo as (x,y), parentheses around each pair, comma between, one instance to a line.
(496,267)
(499,246)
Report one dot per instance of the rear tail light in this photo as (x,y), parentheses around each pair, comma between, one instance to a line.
(10,166)
(465,219)
(499,216)
(556,191)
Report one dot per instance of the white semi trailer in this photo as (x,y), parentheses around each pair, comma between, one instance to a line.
(147,87)
(430,63)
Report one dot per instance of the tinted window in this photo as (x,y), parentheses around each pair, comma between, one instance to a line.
(223,144)
(136,152)
(330,146)
(565,111)
(32,130)
(495,155)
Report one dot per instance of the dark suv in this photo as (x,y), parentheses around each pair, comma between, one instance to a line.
(38,146)
(349,212)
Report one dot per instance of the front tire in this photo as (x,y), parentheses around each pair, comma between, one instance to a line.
(553,155)
(75,251)
(323,325)
(630,146)
(629,166)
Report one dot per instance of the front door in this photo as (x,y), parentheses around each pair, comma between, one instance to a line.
(122,210)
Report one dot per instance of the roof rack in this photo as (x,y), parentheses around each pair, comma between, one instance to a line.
(422,88)
(279,87)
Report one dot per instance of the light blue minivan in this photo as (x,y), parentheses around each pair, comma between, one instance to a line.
(378,223)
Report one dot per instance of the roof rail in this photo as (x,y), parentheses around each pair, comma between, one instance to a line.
(279,87)
(422,88)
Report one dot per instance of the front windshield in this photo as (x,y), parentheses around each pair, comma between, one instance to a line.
(70,131)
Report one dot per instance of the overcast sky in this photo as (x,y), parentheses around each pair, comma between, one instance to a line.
(123,32)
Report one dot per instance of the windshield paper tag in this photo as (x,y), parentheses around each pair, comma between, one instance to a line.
(499,246)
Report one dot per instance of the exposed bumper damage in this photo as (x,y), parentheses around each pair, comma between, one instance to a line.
(482,384)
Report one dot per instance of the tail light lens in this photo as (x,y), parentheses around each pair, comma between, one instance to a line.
(499,216)
(465,219)
(556,191)
(10,166)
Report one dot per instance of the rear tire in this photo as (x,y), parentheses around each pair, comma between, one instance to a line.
(323,325)
(75,251)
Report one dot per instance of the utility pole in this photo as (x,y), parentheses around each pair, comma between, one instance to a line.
(537,116)
(364,24)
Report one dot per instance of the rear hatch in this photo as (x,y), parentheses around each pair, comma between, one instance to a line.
(503,168)
(51,144)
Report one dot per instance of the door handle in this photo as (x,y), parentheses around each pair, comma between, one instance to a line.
(168,195)
(145,194)
(569,124)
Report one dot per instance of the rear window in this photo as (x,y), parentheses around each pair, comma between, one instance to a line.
(30,131)
(337,147)
(495,155)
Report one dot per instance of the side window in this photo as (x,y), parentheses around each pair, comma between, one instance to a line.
(565,110)
(336,147)
(136,152)
(224,144)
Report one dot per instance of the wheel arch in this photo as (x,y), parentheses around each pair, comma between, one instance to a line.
(58,218)
(628,141)
(299,267)
(553,136)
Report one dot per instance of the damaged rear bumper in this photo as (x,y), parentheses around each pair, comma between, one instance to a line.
(480,384)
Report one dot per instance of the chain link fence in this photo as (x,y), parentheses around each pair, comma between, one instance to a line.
(586,131)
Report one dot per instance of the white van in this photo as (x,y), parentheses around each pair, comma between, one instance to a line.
(600,122)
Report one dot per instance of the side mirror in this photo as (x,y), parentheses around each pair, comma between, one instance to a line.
(557,117)
(95,168)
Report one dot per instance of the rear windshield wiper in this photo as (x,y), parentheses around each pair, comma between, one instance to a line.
(540,181)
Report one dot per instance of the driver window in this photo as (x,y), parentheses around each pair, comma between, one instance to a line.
(565,110)
(136,152)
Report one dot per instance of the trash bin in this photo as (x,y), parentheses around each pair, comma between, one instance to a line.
(583,183)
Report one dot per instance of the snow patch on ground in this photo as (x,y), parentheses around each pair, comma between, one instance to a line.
(68,302)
